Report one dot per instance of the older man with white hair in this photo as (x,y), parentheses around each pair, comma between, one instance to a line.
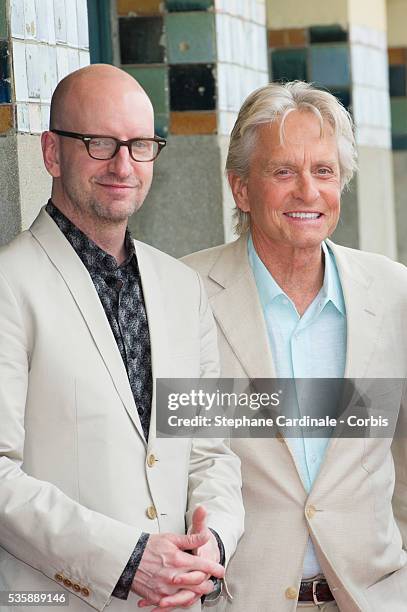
(326,524)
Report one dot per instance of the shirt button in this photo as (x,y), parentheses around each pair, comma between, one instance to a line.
(291,593)
(119,284)
(151,513)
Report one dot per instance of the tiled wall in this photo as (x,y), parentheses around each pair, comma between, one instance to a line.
(352,65)
(398,96)
(45,39)
(195,58)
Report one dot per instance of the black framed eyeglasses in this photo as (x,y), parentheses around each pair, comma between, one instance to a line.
(106,147)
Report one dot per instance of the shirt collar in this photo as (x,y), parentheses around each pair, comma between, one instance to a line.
(268,289)
(89,252)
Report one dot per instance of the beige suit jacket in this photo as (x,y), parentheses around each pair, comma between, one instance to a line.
(76,487)
(359,527)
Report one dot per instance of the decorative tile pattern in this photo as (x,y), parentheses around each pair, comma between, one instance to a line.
(139,7)
(6,118)
(3,20)
(397,80)
(291,37)
(397,56)
(327,34)
(20,75)
(5,94)
(141,40)
(289,64)
(190,38)
(33,75)
(188,5)
(192,88)
(155,82)
(60,20)
(23,118)
(193,123)
(399,116)
(329,65)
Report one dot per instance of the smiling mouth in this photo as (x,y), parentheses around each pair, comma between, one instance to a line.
(303,215)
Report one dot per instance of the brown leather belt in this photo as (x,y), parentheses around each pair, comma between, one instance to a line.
(317,591)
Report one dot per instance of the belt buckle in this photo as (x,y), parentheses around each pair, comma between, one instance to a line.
(315,583)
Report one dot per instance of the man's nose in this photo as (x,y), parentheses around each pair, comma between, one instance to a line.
(121,164)
(306,188)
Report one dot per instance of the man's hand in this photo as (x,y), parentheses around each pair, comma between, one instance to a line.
(187,584)
(165,561)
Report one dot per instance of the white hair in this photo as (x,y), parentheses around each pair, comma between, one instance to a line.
(273,103)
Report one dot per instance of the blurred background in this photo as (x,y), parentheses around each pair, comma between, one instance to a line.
(198,60)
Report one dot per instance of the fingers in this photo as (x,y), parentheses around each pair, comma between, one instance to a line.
(193,540)
(190,578)
(199,519)
(183,599)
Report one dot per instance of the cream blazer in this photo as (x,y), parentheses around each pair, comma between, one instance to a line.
(78,484)
(356,512)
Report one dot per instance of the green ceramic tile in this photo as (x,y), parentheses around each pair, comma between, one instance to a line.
(190,38)
(329,65)
(331,33)
(188,5)
(399,115)
(289,64)
(397,81)
(155,81)
(399,142)
(161,121)
(3,20)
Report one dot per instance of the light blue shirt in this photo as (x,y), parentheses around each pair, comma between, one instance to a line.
(311,346)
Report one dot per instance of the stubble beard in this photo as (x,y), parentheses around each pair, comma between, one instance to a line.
(104,214)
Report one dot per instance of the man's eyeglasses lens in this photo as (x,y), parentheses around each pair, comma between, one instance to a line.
(104,148)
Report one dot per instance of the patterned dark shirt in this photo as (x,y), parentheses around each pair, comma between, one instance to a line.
(119,290)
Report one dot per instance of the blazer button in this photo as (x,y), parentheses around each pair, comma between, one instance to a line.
(67,583)
(85,592)
(59,577)
(151,460)
(76,587)
(291,593)
(311,512)
(151,512)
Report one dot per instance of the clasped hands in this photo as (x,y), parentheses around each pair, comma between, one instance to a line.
(168,576)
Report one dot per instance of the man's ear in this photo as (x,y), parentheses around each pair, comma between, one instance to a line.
(51,153)
(238,185)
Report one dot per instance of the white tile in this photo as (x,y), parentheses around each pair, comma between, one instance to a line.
(226,121)
(53,69)
(62,62)
(51,20)
(17,18)
(30,19)
(260,13)
(44,117)
(71,24)
(41,8)
(44,70)
(60,20)
(373,137)
(84,58)
(23,119)
(262,50)
(222,80)
(83,33)
(73,59)
(33,70)
(20,71)
(34,113)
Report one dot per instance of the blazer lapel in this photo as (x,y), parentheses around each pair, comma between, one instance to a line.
(85,295)
(364,315)
(238,310)
(155,308)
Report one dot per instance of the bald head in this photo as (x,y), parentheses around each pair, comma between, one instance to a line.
(87,89)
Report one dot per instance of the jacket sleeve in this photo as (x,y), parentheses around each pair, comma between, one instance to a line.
(214,470)
(39,524)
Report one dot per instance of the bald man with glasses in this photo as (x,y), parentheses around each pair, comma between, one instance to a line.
(92,504)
